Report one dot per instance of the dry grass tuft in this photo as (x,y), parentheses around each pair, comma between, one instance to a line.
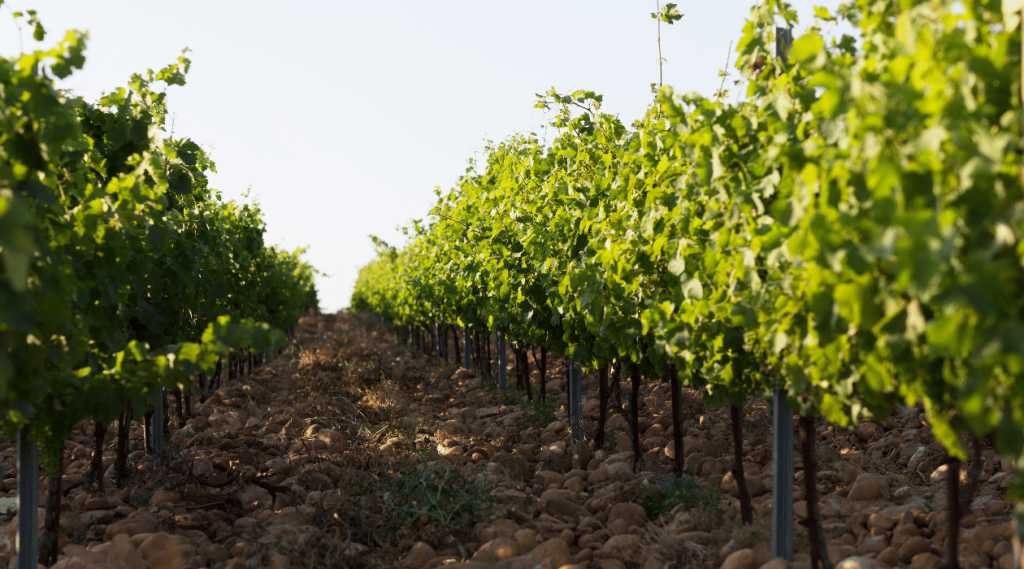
(319,358)
(658,543)
(383,403)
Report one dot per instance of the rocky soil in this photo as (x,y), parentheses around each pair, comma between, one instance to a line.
(347,451)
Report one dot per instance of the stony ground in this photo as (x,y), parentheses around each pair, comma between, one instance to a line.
(348,451)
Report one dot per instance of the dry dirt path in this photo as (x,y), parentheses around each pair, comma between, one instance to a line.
(348,451)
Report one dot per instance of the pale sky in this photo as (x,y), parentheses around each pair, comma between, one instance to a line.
(343,116)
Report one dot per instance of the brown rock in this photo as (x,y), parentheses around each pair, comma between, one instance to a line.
(858,562)
(528,561)
(555,551)
(874,543)
(912,547)
(279,561)
(581,455)
(622,546)
(619,472)
(902,534)
(869,432)
(96,517)
(131,526)
(526,539)
(575,484)
(202,467)
(713,449)
(777,563)
(331,437)
(103,503)
(496,550)
(216,552)
(420,554)
(632,514)
(800,509)
(451,430)
(161,497)
(742,559)
(161,551)
(122,554)
(889,556)
(617,527)
(881,521)
(598,476)
(568,537)
(869,486)
(517,466)
(251,497)
(546,478)
(925,560)
(560,507)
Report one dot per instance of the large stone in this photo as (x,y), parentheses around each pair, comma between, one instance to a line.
(161,497)
(713,449)
(279,561)
(516,466)
(928,560)
(623,546)
(96,517)
(131,526)
(869,432)
(869,486)
(777,563)
(528,561)
(598,476)
(742,559)
(581,455)
(202,467)
(331,437)
(889,556)
(575,484)
(420,554)
(162,551)
(103,503)
(881,521)
(526,539)
(560,507)
(620,472)
(555,551)
(122,554)
(451,430)
(546,478)
(858,562)
(252,497)
(912,547)
(632,514)
(496,550)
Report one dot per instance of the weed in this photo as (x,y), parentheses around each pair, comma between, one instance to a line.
(662,496)
(540,414)
(610,438)
(433,496)
(142,500)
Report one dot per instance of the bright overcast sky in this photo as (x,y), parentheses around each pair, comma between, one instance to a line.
(342,116)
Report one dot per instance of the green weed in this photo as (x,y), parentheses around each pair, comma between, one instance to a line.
(662,496)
